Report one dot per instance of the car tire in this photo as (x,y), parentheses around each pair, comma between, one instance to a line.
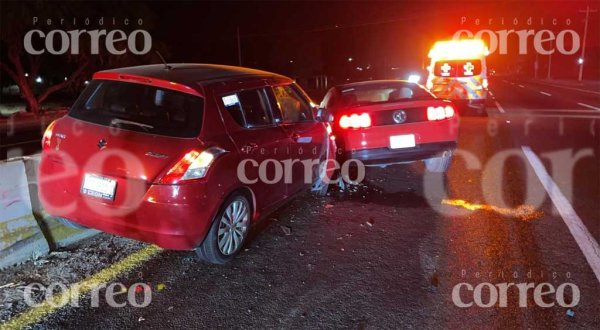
(439,164)
(215,249)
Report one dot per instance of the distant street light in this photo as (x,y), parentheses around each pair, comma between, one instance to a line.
(26,74)
(414,78)
(86,82)
(585,28)
(38,80)
(350,59)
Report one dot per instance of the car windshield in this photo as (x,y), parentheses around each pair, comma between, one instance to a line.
(382,93)
(141,108)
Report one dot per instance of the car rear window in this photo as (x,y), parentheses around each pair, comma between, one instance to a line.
(457,68)
(382,93)
(140,108)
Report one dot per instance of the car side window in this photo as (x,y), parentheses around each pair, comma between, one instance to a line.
(294,108)
(248,108)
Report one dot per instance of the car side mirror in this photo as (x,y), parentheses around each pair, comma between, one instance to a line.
(324,115)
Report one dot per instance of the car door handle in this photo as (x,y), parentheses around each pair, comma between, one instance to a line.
(249,147)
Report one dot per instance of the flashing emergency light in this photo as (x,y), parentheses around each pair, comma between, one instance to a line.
(458,49)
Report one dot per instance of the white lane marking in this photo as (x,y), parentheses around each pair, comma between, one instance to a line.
(521,86)
(543,115)
(500,108)
(592,112)
(588,106)
(492,94)
(572,88)
(584,239)
(544,93)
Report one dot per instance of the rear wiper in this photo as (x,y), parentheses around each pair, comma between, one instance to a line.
(117,121)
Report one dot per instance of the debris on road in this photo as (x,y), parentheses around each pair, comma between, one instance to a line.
(68,266)
(570,313)
(435,281)
(286,230)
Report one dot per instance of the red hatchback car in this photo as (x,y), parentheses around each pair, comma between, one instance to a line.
(185,156)
(392,121)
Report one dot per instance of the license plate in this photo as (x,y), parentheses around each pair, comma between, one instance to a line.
(402,141)
(98,186)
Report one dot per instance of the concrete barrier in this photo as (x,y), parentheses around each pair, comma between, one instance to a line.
(57,234)
(21,237)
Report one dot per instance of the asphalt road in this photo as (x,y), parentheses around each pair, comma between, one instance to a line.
(390,253)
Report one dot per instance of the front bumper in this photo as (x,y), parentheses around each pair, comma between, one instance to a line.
(384,156)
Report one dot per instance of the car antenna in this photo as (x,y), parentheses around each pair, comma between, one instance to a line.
(162,59)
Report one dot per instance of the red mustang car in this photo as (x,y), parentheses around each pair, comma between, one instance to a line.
(154,152)
(392,121)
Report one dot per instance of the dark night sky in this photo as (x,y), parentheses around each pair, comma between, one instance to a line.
(377,33)
(319,36)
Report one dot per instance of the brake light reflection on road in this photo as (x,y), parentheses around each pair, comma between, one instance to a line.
(522,212)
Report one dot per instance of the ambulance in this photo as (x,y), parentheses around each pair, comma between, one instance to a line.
(458,72)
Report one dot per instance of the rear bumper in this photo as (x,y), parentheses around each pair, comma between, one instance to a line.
(175,217)
(382,156)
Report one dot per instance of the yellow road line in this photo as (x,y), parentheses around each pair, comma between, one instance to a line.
(523,212)
(36,314)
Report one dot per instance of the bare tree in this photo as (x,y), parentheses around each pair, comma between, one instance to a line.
(23,68)
(16,18)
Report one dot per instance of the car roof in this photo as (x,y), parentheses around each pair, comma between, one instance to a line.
(190,74)
(373,83)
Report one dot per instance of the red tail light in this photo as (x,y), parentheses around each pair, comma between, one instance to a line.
(439,113)
(355,121)
(47,136)
(175,174)
(193,165)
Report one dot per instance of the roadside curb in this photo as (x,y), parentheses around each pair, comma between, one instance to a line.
(26,230)
(21,238)
(57,234)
